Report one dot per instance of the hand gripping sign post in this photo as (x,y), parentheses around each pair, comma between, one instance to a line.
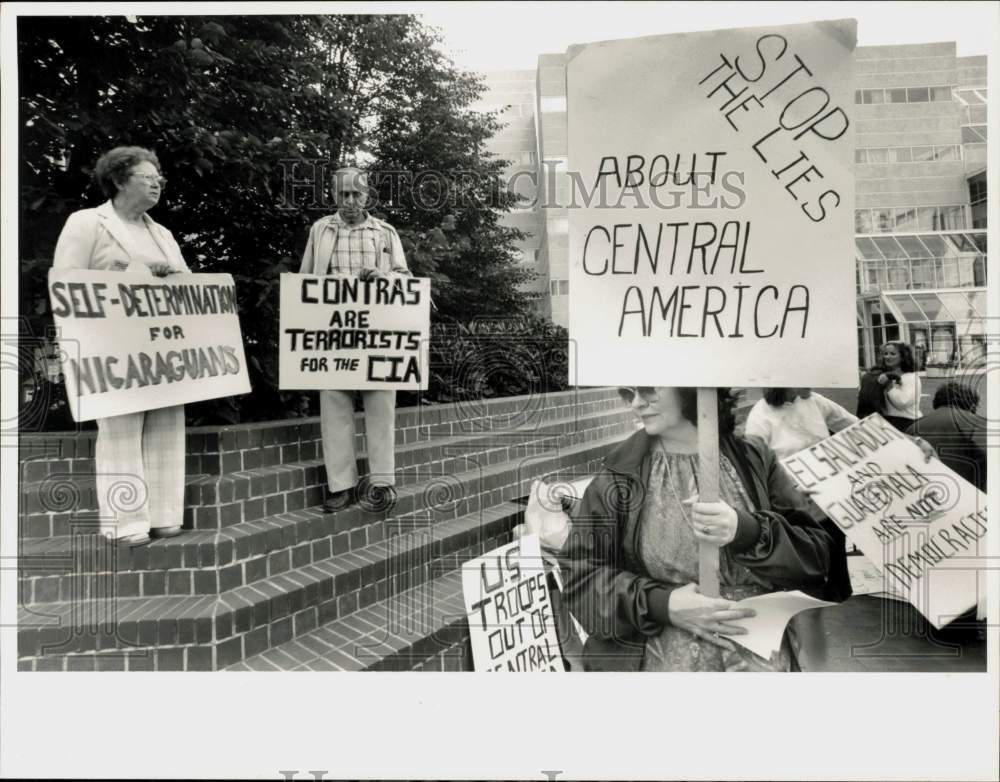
(134,342)
(341,332)
(920,524)
(711,221)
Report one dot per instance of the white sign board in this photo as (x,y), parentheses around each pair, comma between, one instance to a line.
(921,525)
(711,208)
(339,332)
(511,624)
(134,342)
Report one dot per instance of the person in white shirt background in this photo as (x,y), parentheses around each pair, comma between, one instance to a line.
(138,455)
(790,419)
(896,386)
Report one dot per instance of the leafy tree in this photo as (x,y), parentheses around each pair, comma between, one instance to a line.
(249,116)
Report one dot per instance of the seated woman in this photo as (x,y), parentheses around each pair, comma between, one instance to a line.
(630,565)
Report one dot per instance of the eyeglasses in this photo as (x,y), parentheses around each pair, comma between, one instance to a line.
(154,178)
(646,393)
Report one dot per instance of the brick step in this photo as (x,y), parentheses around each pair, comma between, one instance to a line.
(219,450)
(211,632)
(205,563)
(423,628)
(49,505)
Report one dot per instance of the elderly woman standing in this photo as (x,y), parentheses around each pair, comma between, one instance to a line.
(631,561)
(146,447)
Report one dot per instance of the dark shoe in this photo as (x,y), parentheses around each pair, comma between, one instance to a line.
(340,500)
(165,532)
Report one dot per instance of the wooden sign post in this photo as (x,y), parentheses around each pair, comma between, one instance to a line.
(675,278)
(708,483)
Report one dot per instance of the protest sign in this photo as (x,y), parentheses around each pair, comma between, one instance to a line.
(711,234)
(340,332)
(511,624)
(133,342)
(921,525)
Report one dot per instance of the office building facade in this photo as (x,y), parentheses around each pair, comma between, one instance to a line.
(920,218)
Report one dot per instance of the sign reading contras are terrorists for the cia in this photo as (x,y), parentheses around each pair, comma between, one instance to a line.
(711,208)
(134,342)
(341,332)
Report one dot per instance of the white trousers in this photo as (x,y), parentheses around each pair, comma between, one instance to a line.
(336,410)
(140,471)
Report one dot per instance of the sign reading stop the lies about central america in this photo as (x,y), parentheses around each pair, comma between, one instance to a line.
(340,332)
(711,180)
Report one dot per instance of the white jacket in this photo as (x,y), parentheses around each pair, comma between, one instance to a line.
(98,239)
(903,399)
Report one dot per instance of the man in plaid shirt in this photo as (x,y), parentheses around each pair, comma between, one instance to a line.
(355,243)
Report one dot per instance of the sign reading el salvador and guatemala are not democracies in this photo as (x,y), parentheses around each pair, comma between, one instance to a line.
(711,213)
(921,525)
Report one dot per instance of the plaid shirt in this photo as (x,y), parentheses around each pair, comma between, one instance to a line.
(337,248)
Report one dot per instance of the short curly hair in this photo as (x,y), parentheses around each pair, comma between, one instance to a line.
(114,167)
(954,394)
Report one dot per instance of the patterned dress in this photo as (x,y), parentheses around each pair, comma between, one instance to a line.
(668,549)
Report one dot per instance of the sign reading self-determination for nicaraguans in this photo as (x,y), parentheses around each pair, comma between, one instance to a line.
(921,525)
(134,342)
(711,208)
(511,624)
(339,332)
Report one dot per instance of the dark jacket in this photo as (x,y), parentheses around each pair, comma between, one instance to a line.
(612,595)
(959,437)
(871,395)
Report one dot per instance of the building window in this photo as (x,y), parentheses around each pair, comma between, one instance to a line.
(951,218)
(906,219)
(869,96)
(922,154)
(916,95)
(883,220)
(553,103)
(973,134)
(911,219)
(971,97)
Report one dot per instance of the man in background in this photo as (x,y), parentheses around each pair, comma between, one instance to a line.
(956,431)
